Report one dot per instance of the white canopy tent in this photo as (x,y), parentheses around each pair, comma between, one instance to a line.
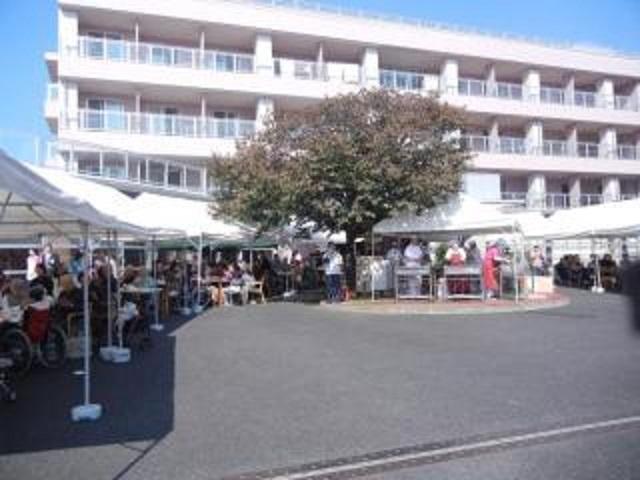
(31,205)
(461,216)
(614,219)
(193,217)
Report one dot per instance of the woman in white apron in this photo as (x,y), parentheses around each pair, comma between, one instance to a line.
(413,258)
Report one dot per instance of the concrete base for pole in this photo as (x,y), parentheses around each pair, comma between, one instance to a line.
(115,354)
(88,412)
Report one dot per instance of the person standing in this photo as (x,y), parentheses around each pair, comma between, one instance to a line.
(537,261)
(492,259)
(33,260)
(333,263)
(413,258)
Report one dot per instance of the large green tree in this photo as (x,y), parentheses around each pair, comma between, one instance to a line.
(345,163)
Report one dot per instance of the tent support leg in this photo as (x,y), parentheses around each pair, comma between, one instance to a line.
(373,256)
(86,411)
(198,307)
(157,326)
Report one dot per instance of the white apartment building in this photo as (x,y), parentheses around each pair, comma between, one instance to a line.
(142,93)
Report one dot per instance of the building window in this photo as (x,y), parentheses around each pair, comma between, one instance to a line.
(174,176)
(135,164)
(193,179)
(156,173)
(106,45)
(224,62)
(244,64)
(88,163)
(113,165)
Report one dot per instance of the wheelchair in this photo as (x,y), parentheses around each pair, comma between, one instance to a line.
(31,336)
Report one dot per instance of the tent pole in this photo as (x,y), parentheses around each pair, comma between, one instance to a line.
(117,261)
(156,314)
(198,308)
(371,265)
(515,268)
(86,411)
(110,274)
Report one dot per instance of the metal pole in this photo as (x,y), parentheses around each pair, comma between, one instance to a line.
(86,411)
(156,325)
(371,265)
(88,260)
(109,273)
(199,273)
(515,268)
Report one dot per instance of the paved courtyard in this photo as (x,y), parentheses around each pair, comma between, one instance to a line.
(244,390)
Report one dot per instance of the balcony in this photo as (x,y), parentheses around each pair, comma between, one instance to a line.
(551,95)
(512,145)
(481,88)
(550,148)
(585,99)
(555,148)
(164,55)
(628,152)
(300,69)
(402,80)
(624,102)
(165,125)
(588,150)
(482,143)
(552,201)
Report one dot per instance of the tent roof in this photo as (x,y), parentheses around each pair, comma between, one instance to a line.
(190,216)
(461,215)
(613,219)
(31,204)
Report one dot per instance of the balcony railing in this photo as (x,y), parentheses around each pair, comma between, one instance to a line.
(555,148)
(553,201)
(164,55)
(513,145)
(401,80)
(585,99)
(623,102)
(627,152)
(483,143)
(476,143)
(588,150)
(513,196)
(300,69)
(165,125)
(472,87)
(508,91)
(552,95)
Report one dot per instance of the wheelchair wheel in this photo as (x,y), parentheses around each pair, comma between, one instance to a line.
(15,345)
(53,348)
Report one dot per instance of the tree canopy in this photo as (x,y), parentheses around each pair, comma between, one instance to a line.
(345,163)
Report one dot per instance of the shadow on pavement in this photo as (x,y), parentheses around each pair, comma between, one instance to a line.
(137,400)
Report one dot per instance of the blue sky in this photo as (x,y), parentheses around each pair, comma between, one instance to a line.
(28,29)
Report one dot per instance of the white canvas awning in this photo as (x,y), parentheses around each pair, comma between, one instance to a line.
(190,216)
(614,219)
(461,216)
(31,205)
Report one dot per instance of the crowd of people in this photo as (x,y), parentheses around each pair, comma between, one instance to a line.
(490,266)
(570,271)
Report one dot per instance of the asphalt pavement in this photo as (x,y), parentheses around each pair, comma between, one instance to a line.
(287,387)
